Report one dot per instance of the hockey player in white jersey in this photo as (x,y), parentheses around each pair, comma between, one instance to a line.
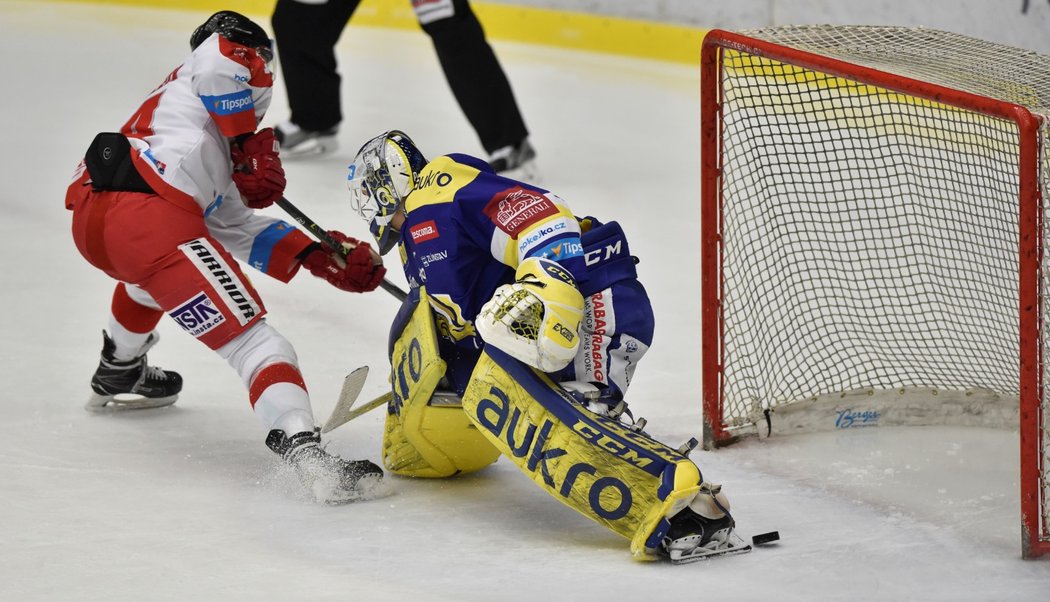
(166,206)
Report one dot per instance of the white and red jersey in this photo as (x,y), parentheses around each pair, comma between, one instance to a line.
(180,140)
(182,130)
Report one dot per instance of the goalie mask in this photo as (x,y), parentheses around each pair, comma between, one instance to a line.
(383,173)
(236,28)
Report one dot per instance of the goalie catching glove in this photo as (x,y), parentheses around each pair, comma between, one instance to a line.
(536,319)
(358,272)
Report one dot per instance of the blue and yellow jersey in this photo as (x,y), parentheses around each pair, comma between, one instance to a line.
(467,229)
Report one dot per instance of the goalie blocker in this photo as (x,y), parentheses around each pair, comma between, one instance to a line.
(623,479)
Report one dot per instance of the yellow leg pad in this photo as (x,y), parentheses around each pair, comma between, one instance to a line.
(434,442)
(622,479)
(421,440)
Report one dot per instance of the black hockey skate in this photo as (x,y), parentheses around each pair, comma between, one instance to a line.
(693,536)
(517,161)
(330,479)
(297,143)
(132,384)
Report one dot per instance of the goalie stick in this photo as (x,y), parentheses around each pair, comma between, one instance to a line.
(344,410)
(352,385)
(322,235)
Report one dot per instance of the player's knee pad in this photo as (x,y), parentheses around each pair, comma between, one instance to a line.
(425,435)
(254,349)
(623,479)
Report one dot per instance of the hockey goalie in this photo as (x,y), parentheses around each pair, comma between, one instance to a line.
(519,338)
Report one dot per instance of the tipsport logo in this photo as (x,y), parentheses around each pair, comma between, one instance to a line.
(561,250)
(227,104)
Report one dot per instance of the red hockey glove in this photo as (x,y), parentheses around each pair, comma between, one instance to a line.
(359,273)
(257,169)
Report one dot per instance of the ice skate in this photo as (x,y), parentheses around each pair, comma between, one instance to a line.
(131,384)
(297,143)
(330,479)
(703,529)
(515,161)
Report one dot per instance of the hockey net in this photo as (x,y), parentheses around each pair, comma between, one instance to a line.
(872,237)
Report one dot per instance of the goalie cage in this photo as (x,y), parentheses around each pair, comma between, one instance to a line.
(872,245)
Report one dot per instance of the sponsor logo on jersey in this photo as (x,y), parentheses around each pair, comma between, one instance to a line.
(563,249)
(423,232)
(515,209)
(595,325)
(198,315)
(222,278)
(539,235)
(430,178)
(228,104)
(430,258)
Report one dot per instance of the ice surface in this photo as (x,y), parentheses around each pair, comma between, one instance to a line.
(186,503)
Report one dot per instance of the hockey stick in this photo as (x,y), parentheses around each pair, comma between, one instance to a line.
(322,235)
(344,410)
(352,385)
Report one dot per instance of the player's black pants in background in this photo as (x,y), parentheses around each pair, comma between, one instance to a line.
(306,35)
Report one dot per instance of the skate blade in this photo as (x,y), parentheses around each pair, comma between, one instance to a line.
(368,488)
(315,147)
(733,545)
(106,404)
(526,172)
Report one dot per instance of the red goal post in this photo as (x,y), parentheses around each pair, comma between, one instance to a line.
(872,240)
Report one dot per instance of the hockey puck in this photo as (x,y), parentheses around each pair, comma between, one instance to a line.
(764,538)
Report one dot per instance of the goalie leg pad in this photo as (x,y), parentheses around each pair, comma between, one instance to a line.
(439,442)
(623,479)
(420,439)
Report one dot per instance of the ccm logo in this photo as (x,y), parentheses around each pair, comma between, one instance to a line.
(425,231)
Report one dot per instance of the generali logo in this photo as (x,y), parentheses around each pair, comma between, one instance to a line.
(513,209)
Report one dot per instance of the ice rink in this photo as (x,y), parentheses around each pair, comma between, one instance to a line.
(188,504)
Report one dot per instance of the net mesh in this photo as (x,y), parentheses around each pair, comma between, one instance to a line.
(870,238)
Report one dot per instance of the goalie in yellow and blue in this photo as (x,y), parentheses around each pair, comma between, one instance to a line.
(521,332)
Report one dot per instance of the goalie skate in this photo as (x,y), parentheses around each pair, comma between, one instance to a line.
(703,529)
(133,384)
(691,548)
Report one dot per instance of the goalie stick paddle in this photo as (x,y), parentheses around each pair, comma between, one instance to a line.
(322,235)
(352,385)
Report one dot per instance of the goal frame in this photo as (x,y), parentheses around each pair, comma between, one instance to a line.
(1034,536)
